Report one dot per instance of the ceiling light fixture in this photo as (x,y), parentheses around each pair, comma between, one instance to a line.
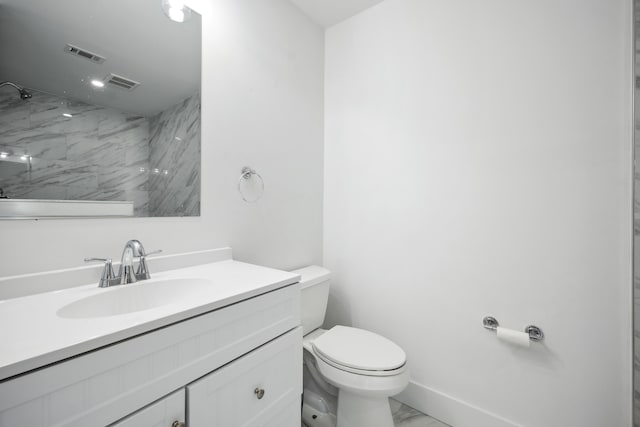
(4,155)
(67,115)
(97,83)
(176,10)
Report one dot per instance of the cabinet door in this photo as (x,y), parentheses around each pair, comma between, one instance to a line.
(162,413)
(260,389)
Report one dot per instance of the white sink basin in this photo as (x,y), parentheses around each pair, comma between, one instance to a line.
(135,297)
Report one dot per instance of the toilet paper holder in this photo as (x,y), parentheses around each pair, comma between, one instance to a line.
(535,333)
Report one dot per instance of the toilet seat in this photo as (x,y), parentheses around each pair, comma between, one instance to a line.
(360,352)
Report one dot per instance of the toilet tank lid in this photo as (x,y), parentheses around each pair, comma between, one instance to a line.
(312,275)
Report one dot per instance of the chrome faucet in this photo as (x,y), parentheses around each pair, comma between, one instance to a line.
(108,278)
(132,249)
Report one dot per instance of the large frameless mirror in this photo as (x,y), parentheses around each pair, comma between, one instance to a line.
(99,108)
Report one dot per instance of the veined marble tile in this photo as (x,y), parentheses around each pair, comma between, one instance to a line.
(14,112)
(124,178)
(406,416)
(42,172)
(102,154)
(52,146)
(175,153)
(89,149)
(121,127)
(141,203)
(137,154)
(10,170)
(62,172)
(140,198)
(636,245)
(27,191)
(127,135)
(96,154)
(85,116)
(47,111)
(173,201)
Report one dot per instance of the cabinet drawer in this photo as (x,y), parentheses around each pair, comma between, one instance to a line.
(230,397)
(162,413)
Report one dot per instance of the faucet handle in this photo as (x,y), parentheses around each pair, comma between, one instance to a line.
(97,259)
(108,275)
(143,270)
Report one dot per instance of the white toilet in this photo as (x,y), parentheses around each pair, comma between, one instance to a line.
(363,368)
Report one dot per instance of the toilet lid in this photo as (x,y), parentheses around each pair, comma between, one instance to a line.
(359,349)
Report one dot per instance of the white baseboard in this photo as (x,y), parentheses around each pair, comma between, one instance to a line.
(448,409)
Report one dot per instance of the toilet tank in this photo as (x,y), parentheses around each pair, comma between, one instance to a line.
(314,286)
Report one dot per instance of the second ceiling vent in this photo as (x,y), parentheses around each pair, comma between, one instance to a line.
(83,53)
(121,82)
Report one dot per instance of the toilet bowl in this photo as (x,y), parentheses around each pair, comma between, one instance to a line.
(365,368)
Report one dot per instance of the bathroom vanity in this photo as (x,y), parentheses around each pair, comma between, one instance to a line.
(217,345)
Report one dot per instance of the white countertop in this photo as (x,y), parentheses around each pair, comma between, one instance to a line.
(33,335)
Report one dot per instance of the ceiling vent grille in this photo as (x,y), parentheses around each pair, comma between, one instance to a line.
(83,53)
(122,82)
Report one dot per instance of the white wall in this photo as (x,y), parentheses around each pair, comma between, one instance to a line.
(263,107)
(478,162)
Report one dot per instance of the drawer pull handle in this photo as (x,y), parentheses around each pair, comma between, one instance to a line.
(177,423)
(259,392)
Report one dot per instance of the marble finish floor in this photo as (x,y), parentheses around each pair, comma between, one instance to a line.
(406,416)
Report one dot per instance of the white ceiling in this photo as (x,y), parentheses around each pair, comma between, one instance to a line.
(330,12)
(136,37)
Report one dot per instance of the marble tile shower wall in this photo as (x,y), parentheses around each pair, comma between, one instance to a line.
(636,229)
(98,154)
(174,182)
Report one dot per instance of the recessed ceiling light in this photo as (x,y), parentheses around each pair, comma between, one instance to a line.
(23,157)
(67,115)
(176,14)
(97,83)
(176,10)
(3,155)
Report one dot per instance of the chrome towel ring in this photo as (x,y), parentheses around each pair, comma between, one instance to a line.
(247,185)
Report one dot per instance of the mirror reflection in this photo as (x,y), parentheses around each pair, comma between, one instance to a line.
(99,102)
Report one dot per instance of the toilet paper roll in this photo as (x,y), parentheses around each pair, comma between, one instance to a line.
(513,337)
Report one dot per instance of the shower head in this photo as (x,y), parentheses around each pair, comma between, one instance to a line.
(24,94)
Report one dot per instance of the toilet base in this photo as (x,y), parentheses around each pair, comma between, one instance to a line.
(356,410)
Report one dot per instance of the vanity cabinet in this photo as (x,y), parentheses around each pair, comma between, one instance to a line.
(210,364)
(163,413)
(260,389)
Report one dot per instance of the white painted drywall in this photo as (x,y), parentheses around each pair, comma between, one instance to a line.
(478,162)
(330,12)
(263,107)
